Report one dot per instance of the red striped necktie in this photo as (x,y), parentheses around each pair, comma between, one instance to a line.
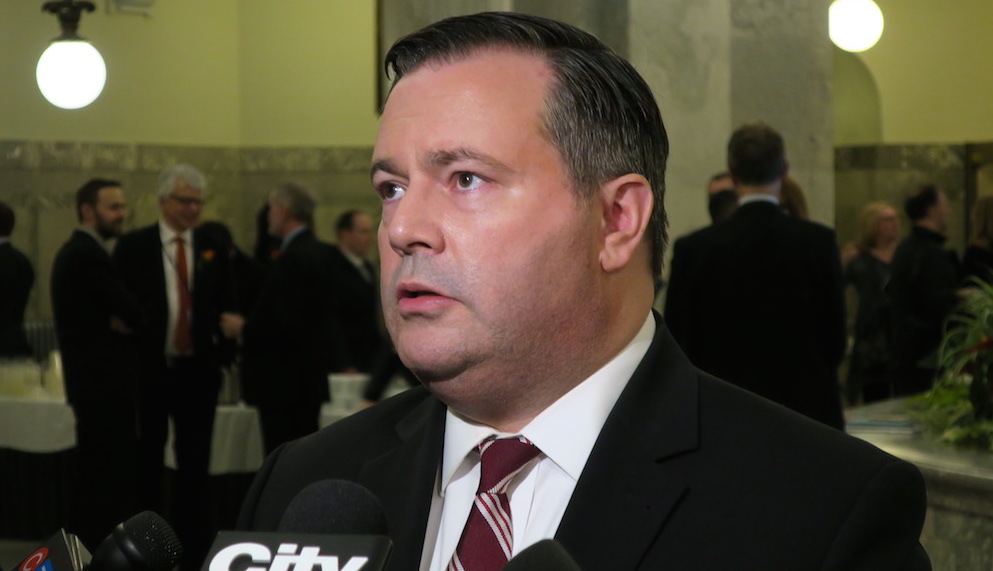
(487,540)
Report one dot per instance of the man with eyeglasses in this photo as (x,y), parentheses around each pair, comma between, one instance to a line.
(179,276)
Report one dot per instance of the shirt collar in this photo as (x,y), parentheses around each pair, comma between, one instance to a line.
(168,235)
(355,260)
(758,197)
(289,237)
(555,431)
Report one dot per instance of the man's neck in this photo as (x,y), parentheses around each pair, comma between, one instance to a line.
(771,189)
(932,225)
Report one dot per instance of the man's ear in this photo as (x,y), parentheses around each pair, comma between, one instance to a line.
(627,204)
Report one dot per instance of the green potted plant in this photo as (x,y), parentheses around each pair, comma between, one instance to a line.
(959,408)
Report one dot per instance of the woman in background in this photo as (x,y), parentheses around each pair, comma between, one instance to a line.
(792,200)
(867,268)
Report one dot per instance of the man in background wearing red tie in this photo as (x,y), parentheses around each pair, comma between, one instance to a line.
(521,165)
(179,278)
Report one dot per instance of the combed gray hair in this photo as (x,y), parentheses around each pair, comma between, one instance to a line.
(171,176)
(297,199)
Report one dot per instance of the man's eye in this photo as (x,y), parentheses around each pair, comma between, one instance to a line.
(468,181)
(390,191)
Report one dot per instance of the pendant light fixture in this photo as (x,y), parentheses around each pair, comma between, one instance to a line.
(71,73)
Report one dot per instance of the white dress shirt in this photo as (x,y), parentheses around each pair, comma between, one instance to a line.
(564,432)
(168,237)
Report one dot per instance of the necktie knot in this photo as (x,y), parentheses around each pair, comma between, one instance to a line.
(500,460)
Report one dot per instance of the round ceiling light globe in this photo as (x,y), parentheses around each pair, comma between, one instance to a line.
(71,74)
(855,25)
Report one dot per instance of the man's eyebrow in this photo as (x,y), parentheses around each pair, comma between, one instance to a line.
(387,166)
(442,158)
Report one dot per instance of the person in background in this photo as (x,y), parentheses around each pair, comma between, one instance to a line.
(792,200)
(867,269)
(521,165)
(16,281)
(291,339)
(923,291)
(722,199)
(978,259)
(181,280)
(758,300)
(95,321)
(356,279)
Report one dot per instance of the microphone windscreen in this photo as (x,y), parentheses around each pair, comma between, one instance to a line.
(545,555)
(145,542)
(334,507)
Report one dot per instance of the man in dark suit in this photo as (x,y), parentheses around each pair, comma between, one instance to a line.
(521,167)
(95,318)
(180,279)
(923,291)
(16,280)
(355,281)
(758,299)
(291,340)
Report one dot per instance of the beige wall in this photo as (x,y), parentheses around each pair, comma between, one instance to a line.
(195,72)
(932,71)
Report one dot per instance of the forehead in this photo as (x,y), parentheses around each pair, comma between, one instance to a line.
(110,194)
(183,188)
(467,100)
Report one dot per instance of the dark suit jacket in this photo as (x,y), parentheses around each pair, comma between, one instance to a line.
(292,339)
(86,292)
(138,256)
(688,472)
(16,279)
(357,310)
(923,288)
(758,301)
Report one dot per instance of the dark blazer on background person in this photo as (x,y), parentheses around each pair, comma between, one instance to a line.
(358,302)
(16,279)
(292,340)
(138,254)
(686,474)
(87,291)
(101,381)
(758,301)
(181,388)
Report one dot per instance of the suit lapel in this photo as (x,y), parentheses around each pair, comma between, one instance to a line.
(631,483)
(403,480)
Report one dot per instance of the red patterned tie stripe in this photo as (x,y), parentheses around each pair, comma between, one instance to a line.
(487,541)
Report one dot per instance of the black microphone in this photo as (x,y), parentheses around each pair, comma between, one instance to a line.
(144,542)
(545,555)
(329,525)
(334,507)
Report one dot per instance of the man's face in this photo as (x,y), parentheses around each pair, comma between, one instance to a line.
(109,213)
(943,211)
(359,239)
(489,266)
(276,218)
(889,226)
(181,209)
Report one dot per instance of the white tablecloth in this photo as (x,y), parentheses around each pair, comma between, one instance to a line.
(42,424)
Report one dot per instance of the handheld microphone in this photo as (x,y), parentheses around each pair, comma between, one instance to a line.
(545,555)
(144,542)
(332,525)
